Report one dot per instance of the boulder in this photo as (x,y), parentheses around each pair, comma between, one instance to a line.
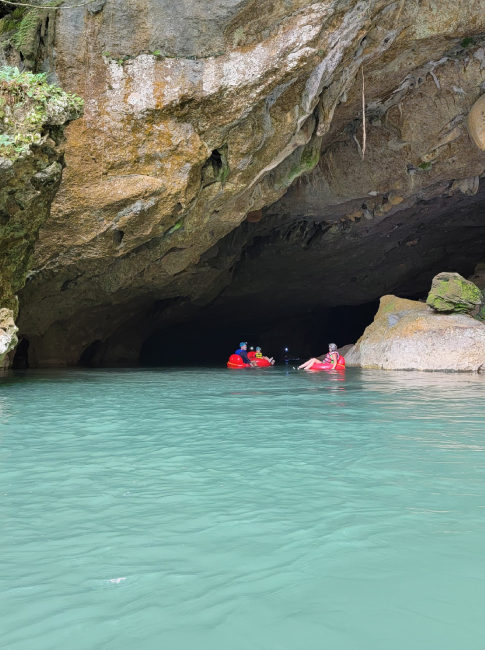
(408,335)
(8,335)
(478,276)
(345,349)
(451,293)
(476,122)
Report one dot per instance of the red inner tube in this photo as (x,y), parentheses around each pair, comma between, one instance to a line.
(262,363)
(328,366)
(235,361)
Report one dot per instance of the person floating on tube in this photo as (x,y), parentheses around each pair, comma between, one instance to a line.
(332,357)
(243,353)
(259,355)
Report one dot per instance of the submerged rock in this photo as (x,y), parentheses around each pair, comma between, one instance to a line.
(451,293)
(408,335)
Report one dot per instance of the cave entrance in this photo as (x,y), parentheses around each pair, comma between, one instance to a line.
(203,341)
(87,358)
(21,357)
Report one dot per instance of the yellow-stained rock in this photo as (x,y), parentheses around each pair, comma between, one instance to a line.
(476,122)
(407,335)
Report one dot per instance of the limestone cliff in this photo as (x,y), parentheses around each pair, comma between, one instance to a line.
(220,156)
(32,117)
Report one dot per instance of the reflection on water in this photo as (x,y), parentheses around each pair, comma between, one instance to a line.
(270,509)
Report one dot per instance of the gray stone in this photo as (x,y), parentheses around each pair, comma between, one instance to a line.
(95,7)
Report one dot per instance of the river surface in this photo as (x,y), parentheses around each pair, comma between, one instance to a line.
(207,509)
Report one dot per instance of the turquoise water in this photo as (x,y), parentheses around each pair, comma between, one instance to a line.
(206,509)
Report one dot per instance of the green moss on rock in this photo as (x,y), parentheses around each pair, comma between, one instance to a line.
(451,293)
(302,161)
(22,28)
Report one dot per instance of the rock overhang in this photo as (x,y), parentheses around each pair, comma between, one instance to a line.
(153,123)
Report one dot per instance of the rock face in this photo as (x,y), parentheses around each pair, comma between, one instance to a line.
(478,276)
(476,122)
(219,161)
(450,293)
(408,335)
(32,115)
(8,335)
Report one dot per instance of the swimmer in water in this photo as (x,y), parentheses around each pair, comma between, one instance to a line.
(332,357)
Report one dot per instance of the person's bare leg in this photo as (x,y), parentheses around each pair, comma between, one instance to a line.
(308,364)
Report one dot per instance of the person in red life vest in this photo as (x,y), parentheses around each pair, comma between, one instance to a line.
(259,355)
(242,351)
(332,357)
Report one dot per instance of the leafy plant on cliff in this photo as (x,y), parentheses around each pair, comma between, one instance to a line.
(12,21)
(28,104)
(23,28)
(26,28)
(425,167)
(466,42)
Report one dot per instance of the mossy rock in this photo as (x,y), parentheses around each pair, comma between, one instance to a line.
(451,293)
(33,115)
(28,106)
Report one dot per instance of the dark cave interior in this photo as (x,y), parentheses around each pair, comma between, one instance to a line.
(206,342)
(296,285)
(296,282)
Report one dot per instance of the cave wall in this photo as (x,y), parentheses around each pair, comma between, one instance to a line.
(32,118)
(220,137)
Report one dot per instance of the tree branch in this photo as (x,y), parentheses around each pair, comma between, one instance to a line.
(24,4)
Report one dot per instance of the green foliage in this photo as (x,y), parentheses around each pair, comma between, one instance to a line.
(426,166)
(6,140)
(26,28)
(12,21)
(176,226)
(22,26)
(25,78)
(466,42)
(26,103)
